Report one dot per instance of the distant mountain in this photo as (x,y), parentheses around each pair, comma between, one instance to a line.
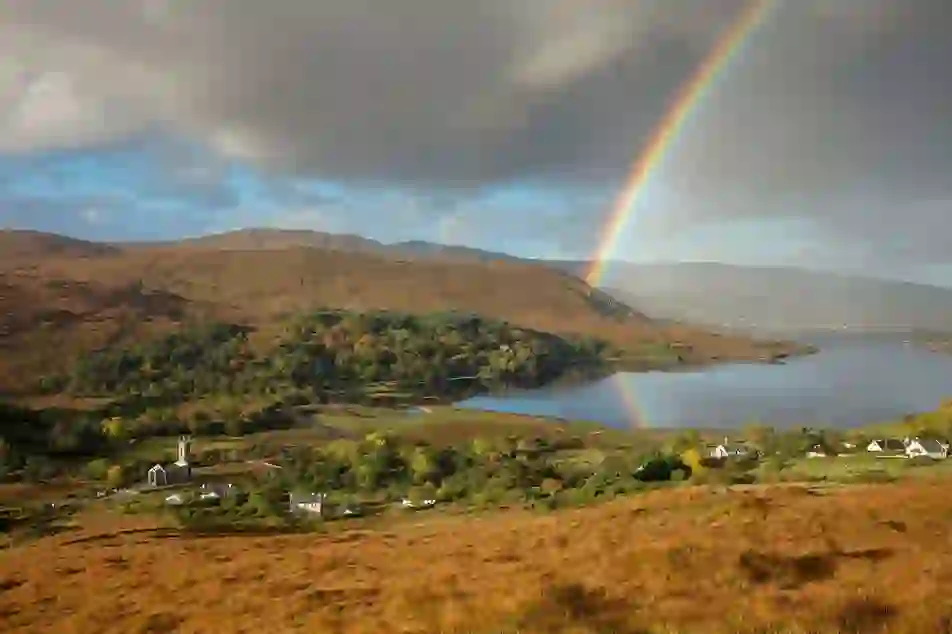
(264,239)
(764,300)
(17,245)
(778,300)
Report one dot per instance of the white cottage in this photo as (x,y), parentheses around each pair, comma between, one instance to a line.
(307,503)
(730,450)
(158,476)
(887,446)
(930,447)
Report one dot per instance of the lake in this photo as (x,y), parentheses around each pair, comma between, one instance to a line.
(849,382)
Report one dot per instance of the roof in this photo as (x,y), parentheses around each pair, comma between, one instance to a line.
(733,447)
(931,445)
(890,444)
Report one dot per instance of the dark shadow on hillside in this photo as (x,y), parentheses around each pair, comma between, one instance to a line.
(573,605)
(865,616)
(796,571)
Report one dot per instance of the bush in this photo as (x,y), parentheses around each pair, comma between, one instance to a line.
(115,476)
(97,469)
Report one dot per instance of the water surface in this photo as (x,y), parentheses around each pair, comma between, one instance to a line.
(848,382)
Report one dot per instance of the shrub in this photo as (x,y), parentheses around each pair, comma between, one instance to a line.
(97,469)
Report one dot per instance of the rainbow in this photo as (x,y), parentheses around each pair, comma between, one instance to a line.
(686,101)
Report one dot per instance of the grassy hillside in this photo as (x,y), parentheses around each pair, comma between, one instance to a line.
(56,305)
(746,298)
(860,559)
(767,300)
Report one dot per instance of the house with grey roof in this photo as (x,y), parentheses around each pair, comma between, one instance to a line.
(927,447)
(887,447)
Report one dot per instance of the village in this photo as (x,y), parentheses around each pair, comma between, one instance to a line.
(183,486)
(180,478)
(917,447)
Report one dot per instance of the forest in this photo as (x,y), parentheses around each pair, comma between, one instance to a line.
(336,355)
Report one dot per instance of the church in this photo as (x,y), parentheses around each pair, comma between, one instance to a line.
(178,472)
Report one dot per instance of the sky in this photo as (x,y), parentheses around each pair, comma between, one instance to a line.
(508,125)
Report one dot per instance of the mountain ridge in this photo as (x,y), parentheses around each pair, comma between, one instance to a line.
(55,307)
(766,300)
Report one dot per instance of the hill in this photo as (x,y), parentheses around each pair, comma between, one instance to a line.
(17,247)
(776,300)
(764,300)
(55,308)
(255,239)
(770,559)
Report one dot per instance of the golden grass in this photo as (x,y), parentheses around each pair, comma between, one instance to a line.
(856,559)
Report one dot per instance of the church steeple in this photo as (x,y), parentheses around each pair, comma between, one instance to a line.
(184,447)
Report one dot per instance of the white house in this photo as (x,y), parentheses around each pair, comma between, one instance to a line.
(307,503)
(216,491)
(930,447)
(422,504)
(158,476)
(728,450)
(887,446)
(817,451)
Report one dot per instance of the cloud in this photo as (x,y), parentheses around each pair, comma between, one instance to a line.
(835,113)
(427,92)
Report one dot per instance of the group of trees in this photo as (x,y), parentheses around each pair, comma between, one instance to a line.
(486,471)
(34,441)
(336,354)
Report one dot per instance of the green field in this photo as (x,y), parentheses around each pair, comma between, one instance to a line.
(862,467)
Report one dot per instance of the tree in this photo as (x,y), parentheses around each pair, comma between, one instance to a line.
(762,436)
(97,469)
(481,447)
(694,461)
(424,466)
(235,425)
(199,423)
(688,439)
(115,476)
(114,428)
(368,475)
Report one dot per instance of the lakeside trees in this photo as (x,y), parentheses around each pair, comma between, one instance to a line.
(337,355)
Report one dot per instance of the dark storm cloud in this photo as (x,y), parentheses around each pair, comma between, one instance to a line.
(418,91)
(837,110)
